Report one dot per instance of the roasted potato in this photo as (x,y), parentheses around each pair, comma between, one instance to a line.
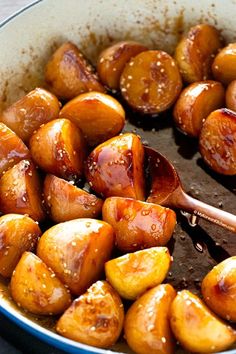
(26,115)
(112,61)
(76,251)
(58,147)
(196,327)
(151,82)
(230,96)
(68,73)
(18,233)
(195,103)
(99,116)
(116,167)
(219,289)
(20,191)
(138,224)
(65,201)
(224,64)
(132,274)
(36,288)
(196,51)
(95,318)
(147,328)
(217,143)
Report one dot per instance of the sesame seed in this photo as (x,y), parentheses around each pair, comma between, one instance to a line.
(163,339)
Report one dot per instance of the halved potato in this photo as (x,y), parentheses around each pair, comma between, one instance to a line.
(224,67)
(230,96)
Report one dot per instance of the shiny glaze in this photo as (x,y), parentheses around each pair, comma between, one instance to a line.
(224,67)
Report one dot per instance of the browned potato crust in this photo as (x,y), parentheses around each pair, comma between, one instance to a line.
(28,113)
(224,65)
(95,318)
(230,96)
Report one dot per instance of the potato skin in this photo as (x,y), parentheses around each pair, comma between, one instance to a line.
(223,66)
(76,251)
(95,318)
(196,327)
(132,274)
(116,167)
(68,73)
(18,233)
(36,288)
(230,96)
(219,291)
(147,328)
(138,224)
(27,114)
(65,201)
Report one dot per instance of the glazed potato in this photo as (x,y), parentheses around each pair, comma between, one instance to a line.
(151,82)
(26,115)
(219,290)
(116,167)
(95,318)
(20,191)
(58,147)
(112,61)
(99,116)
(147,328)
(36,288)
(138,224)
(230,96)
(76,251)
(196,51)
(196,327)
(18,233)
(68,73)
(217,143)
(65,201)
(195,103)
(132,274)
(224,67)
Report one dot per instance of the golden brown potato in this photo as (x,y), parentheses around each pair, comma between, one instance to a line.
(224,66)
(68,73)
(26,115)
(151,82)
(116,167)
(138,224)
(230,96)
(37,289)
(132,274)
(195,103)
(147,328)
(64,201)
(95,318)
(196,51)
(76,251)
(112,61)
(196,327)
(219,289)
(18,233)
(217,142)
(58,147)
(20,191)
(99,116)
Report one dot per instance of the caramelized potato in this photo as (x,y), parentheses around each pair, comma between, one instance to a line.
(230,96)
(66,202)
(18,233)
(27,114)
(219,289)
(112,61)
(132,274)
(95,318)
(116,167)
(58,148)
(151,82)
(99,116)
(147,328)
(196,327)
(195,52)
(195,103)
(36,288)
(76,251)
(217,142)
(138,224)
(68,73)
(224,66)
(20,191)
